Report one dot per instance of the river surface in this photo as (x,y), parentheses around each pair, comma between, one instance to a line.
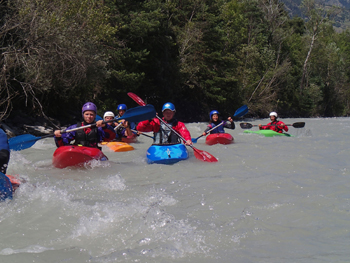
(267,200)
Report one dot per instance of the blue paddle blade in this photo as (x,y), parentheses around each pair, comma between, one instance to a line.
(139,113)
(22,142)
(241,111)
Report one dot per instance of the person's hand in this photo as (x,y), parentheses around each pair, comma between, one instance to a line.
(188,142)
(57,133)
(229,119)
(100,123)
(204,133)
(282,125)
(125,124)
(260,125)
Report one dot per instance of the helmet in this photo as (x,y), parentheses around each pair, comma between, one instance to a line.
(122,107)
(89,106)
(273,114)
(168,106)
(108,114)
(213,112)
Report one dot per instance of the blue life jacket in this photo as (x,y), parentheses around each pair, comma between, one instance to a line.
(219,129)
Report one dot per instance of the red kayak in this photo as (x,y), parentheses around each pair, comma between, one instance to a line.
(73,155)
(222,138)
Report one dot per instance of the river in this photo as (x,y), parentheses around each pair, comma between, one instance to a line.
(267,200)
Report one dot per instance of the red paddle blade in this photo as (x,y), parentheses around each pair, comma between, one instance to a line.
(204,156)
(137,99)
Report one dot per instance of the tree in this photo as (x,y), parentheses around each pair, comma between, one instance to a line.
(51,52)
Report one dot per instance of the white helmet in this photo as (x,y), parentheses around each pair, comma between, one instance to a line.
(273,114)
(108,114)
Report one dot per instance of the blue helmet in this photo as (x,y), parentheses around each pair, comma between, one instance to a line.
(122,107)
(168,106)
(89,106)
(213,112)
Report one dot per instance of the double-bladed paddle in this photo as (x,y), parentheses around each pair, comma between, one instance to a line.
(245,125)
(238,113)
(136,114)
(199,154)
(142,134)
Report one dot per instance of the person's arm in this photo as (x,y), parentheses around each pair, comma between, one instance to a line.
(148,125)
(62,139)
(230,124)
(282,126)
(181,128)
(266,127)
(207,129)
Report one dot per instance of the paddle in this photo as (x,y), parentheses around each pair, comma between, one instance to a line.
(142,134)
(245,125)
(194,140)
(238,113)
(136,114)
(199,154)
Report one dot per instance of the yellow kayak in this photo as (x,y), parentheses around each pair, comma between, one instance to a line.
(118,146)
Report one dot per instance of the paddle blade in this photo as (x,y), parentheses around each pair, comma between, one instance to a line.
(22,142)
(241,111)
(299,125)
(137,99)
(194,140)
(138,114)
(245,125)
(204,156)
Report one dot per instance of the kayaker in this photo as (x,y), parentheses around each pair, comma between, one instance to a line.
(4,151)
(275,125)
(89,137)
(125,129)
(162,134)
(5,183)
(108,116)
(215,121)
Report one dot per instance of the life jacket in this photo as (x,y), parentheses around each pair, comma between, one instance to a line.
(90,139)
(166,135)
(219,129)
(276,128)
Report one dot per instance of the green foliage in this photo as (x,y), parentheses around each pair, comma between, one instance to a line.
(199,54)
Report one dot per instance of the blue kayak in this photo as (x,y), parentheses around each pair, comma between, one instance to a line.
(5,187)
(167,154)
(269,133)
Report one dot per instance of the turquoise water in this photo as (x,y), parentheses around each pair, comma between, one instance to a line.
(279,199)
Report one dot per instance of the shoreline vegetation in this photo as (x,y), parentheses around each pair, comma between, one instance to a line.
(200,55)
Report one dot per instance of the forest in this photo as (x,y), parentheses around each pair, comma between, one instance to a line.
(201,55)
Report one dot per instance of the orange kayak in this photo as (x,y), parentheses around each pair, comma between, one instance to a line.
(118,146)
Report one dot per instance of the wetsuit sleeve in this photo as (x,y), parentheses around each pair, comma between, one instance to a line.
(181,128)
(266,127)
(208,128)
(66,138)
(148,126)
(229,125)
(284,128)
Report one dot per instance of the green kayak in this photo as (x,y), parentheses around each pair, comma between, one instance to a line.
(268,133)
